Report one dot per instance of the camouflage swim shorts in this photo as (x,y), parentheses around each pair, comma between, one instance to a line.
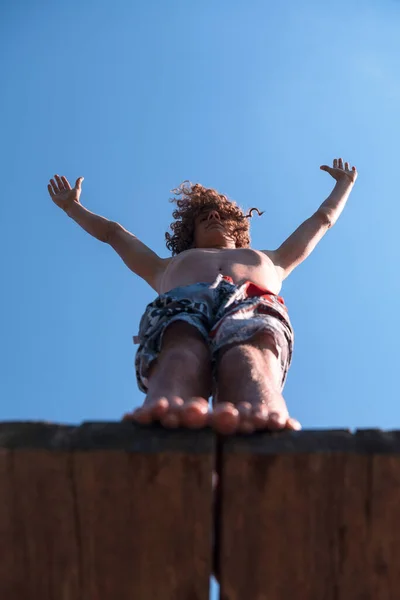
(223,312)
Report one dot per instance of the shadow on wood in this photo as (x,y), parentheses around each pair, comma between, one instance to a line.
(104,511)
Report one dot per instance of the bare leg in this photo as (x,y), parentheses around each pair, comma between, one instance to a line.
(179,382)
(249,396)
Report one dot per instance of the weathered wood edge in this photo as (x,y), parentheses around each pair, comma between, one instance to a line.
(130,437)
(362,441)
(90,436)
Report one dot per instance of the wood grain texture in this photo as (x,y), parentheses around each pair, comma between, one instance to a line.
(82,518)
(311,522)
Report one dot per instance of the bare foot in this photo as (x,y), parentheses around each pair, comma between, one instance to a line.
(179,381)
(247,417)
(225,418)
(173,412)
(248,396)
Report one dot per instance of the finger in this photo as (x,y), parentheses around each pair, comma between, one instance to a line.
(347,166)
(335,163)
(55,186)
(78,183)
(51,191)
(325,168)
(340,163)
(60,182)
(65,182)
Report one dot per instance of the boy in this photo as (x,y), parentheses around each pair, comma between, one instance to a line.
(218,325)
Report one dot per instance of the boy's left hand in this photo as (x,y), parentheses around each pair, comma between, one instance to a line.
(340,172)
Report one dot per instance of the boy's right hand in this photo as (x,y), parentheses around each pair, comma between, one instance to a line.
(62,194)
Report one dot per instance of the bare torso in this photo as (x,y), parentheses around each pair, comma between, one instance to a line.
(204,265)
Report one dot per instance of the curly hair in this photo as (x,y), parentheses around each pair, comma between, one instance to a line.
(191,201)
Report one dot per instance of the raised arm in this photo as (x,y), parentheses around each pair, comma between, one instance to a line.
(302,242)
(137,256)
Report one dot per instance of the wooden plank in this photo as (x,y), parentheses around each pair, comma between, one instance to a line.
(45,513)
(383,511)
(12,563)
(310,515)
(107,510)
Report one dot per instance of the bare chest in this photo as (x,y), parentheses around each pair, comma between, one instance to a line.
(203,265)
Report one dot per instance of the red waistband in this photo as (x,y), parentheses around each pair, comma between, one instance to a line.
(253,290)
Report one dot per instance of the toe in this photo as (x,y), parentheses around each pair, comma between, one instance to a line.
(140,415)
(128,416)
(246,423)
(149,412)
(260,417)
(159,408)
(225,418)
(195,413)
(277,420)
(293,424)
(172,417)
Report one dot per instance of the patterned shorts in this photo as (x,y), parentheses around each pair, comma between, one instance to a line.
(223,312)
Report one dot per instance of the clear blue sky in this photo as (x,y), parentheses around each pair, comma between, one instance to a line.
(248,97)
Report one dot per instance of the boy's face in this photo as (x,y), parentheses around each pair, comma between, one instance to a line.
(212,231)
